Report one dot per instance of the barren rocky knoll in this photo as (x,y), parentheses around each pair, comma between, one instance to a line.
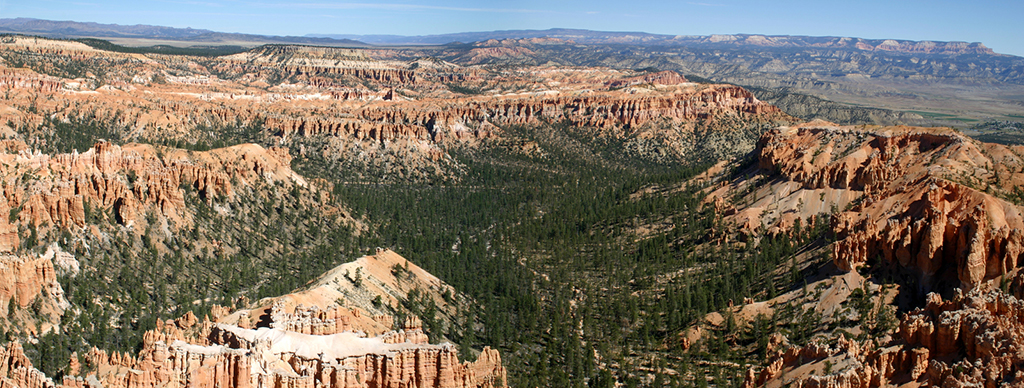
(356,296)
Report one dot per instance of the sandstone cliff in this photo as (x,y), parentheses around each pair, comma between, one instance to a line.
(239,357)
(128,182)
(359,107)
(31,297)
(931,200)
(971,340)
(16,369)
(931,205)
(183,354)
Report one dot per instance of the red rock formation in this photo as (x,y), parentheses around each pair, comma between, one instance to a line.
(609,110)
(932,217)
(303,347)
(414,119)
(240,358)
(658,78)
(129,180)
(975,339)
(16,370)
(930,201)
(23,279)
(24,79)
(372,107)
(941,225)
(484,54)
(315,62)
(9,240)
(316,321)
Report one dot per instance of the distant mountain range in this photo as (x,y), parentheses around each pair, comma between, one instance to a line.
(72,29)
(643,38)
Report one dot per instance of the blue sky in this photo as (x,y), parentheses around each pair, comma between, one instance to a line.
(997,23)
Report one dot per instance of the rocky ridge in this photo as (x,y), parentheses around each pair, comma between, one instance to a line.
(30,293)
(128,181)
(384,106)
(972,339)
(550,36)
(882,82)
(932,200)
(902,46)
(577,36)
(930,204)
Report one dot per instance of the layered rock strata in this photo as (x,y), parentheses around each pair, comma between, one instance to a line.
(23,279)
(931,200)
(24,79)
(30,296)
(128,180)
(365,103)
(974,339)
(16,369)
(243,358)
(232,357)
